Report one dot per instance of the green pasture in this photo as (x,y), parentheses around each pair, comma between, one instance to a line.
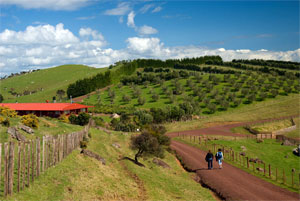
(45,82)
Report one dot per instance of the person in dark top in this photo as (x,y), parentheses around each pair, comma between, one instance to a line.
(209,159)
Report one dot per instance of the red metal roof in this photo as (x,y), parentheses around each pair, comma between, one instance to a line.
(43,106)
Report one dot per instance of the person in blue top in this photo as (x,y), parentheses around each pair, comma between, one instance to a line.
(219,158)
(209,159)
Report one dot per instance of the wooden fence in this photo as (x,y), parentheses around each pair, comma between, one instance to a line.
(22,162)
(290,178)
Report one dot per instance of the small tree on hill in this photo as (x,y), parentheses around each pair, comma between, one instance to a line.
(145,144)
(60,93)
(141,100)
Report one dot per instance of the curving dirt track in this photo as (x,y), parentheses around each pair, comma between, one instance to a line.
(230,183)
(224,130)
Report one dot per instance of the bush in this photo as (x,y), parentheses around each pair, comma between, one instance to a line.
(30,120)
(73,118)
(82,119)
(6,112)
(63,118)
(5,122)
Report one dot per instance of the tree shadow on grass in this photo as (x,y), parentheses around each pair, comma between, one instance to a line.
(135,162)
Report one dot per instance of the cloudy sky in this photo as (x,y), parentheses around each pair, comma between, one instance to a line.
(44,33)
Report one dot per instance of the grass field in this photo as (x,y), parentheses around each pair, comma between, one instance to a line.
(272,108)
(45,82)
(82,178)
(295,133)
(269,151)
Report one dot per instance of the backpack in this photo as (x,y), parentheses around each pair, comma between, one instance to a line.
(218,156)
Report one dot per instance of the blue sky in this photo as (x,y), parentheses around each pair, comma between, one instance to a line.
(99,33)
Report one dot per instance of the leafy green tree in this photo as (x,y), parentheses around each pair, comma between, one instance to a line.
(126,98)
(146,145)
(60,93)
(155,97)
(141,100)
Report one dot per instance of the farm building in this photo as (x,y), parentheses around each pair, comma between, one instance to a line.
(46,109)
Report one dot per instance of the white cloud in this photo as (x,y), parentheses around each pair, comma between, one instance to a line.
(244,51)
(122,9)
(130,20)
(147,30)
(45,34)
(47,4)
(157,9)
(86,18)
(86,32)
(146,7)
(46,46)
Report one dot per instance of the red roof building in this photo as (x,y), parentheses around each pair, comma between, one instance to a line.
(46,109)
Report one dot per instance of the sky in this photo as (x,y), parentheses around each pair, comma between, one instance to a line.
(40,34)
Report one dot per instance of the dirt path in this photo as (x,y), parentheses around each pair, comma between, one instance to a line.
(230,183)
(224,130)
(138,181)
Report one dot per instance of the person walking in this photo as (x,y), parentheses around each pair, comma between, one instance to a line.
(209,159)
(219,158)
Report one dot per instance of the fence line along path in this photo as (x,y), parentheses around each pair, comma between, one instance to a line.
(22,162)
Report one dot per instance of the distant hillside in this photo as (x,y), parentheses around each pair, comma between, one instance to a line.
(42,85)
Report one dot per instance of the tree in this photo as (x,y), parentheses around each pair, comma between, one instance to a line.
(155,97)
(60,93)
(141,100)
(145,144)
(126,98)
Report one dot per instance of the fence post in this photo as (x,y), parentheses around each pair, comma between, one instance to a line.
(293,171)
(28,163)
(24,165)
(247,162)
(276,174)
(43,155)
(19,166)
(283,176)
(264,169)
(11,167)
(38,159)
(199,140)
(5,168)
(32,160)
(270,170)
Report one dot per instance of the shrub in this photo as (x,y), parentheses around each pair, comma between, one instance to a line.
(72,118)
(5,122)
(63,118)
(83,118)
(6,112)
(30,120)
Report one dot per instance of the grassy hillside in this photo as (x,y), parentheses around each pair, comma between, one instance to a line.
(44,83)
(82,178)
(272,108)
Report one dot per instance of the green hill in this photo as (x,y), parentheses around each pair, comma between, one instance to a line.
(43,84)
